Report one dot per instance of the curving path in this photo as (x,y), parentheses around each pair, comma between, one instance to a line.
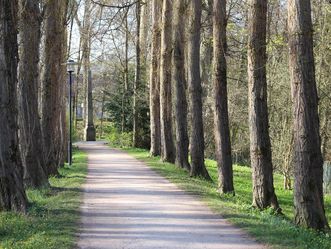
(129,206)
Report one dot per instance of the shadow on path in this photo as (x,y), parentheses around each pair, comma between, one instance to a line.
(127,205)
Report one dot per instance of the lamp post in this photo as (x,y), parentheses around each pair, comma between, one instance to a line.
(70,68)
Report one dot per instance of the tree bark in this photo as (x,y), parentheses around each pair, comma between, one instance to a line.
(182,141)
(221,115)
(31,141)
(85,45)
(308,162)
(12,194)
(144,34)
(102,114)
(155,81)
(77,81)
(260,148)
(207,47)
(53,80)
(126,70)
(65,89)
(137,80)
(195,93)
(168,149)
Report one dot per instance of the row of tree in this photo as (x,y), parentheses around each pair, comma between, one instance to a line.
(184,106)
(175,67)
(33,39)
(222,41)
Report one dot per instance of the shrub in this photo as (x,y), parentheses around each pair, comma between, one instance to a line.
(119,139)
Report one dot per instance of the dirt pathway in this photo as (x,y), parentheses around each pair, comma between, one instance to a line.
(127,205)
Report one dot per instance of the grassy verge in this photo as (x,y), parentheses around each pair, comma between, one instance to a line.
(53,214)
(279,232)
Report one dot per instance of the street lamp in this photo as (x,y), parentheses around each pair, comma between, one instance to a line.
(70,68)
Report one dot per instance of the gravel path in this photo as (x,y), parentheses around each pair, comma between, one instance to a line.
(127,205)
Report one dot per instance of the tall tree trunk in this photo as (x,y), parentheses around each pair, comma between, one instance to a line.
(195,93)
(137,81)
(77,83)
(182,141)
(12,194)
(260,148)
(90,134)
(325,133)
(126,62)
(207,48)
(144,22)
(31,141)
(64,91)
(126,70)
(308,162)
(86,51)
(102,114)
(222,131)
(53,78)
(154,87)
(168,149)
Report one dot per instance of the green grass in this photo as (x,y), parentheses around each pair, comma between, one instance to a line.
(53,213)
(279,232)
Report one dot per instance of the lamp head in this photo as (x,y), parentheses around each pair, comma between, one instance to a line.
(71,66)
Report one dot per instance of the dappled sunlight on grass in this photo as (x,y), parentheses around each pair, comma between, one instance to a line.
(278,231)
